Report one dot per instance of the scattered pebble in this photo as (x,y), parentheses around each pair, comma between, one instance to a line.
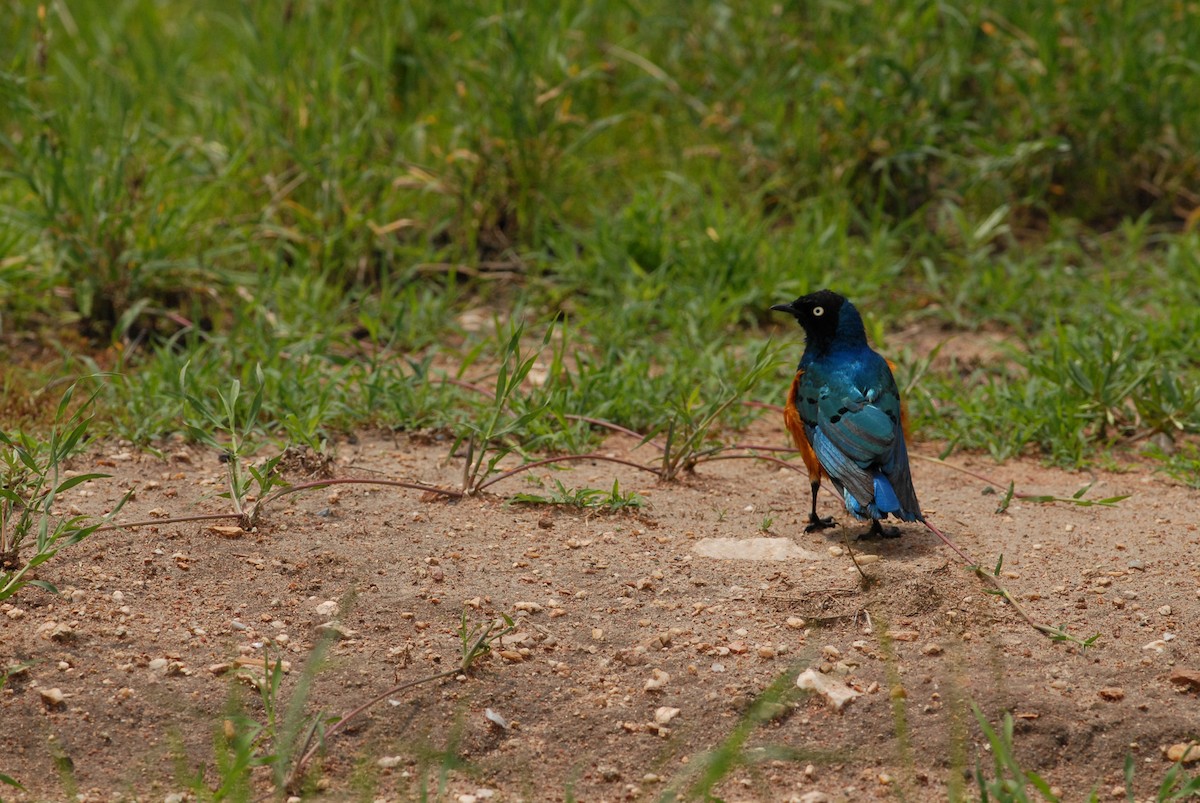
(835,692)
(1187,678)
(1186,752)
(335,629)
(389,762)
(1112,694)
(52,698)
(657,682)
(1164,610)
(496,719)
(932,649)
(664,714)
(327,608)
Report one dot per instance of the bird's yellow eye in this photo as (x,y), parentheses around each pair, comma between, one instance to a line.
(818,312)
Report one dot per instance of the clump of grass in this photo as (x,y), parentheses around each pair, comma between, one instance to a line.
(31,483)
(612,500)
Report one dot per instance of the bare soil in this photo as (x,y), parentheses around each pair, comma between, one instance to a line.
(141,641)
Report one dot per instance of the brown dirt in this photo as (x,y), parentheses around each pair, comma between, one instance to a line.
(601,602)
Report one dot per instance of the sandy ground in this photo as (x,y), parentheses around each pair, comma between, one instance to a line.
(620,619)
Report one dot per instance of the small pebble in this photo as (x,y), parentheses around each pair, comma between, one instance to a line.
(657,682)
(327,608)
(1187,753)
(52,697)
(664,714)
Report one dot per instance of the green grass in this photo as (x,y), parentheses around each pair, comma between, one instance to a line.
(325,189)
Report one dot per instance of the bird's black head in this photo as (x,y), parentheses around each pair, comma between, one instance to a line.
(825,315)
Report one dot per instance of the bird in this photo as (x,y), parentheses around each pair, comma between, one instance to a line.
(846,418)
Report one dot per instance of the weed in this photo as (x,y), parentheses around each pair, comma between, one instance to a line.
(32,472)
(485,441)
(612,500)
(238,422)
(1011,781)
(689,431)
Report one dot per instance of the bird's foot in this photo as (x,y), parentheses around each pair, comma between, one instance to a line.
(816,523)
(879,531)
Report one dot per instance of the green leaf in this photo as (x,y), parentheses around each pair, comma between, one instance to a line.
(70,483)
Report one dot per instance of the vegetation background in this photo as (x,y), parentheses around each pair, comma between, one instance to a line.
(355,196)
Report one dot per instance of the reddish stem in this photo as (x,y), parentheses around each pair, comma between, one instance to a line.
(564,459)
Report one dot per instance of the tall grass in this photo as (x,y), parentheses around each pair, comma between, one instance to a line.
(325,188)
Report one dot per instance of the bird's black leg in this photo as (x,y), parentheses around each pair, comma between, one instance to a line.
(879,531)
(815,522)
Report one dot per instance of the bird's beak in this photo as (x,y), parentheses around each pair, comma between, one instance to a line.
(788,308)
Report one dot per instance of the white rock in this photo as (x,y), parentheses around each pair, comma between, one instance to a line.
(761,549)
(834,691)
(327,608)
(658,681)
(52,697)
(664,714)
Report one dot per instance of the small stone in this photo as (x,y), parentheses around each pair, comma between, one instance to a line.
(52,698)
(834,691)
(932,649)
(795,623)
(904,635)
(327,608)
(1112,694)
(1186,678)
(336,629)
(61,632)
(1164,610)
(1185,752)
(467,799)
(657,682)
(496,719)
(388,762)
(664,714)
(528,607)
(512,656)
(158,665)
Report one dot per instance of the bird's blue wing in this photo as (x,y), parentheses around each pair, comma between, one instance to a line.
(852,415)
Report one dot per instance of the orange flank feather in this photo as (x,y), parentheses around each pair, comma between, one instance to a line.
(791,419)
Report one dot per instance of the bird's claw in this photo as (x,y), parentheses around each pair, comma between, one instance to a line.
(879,531)
(816,523)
